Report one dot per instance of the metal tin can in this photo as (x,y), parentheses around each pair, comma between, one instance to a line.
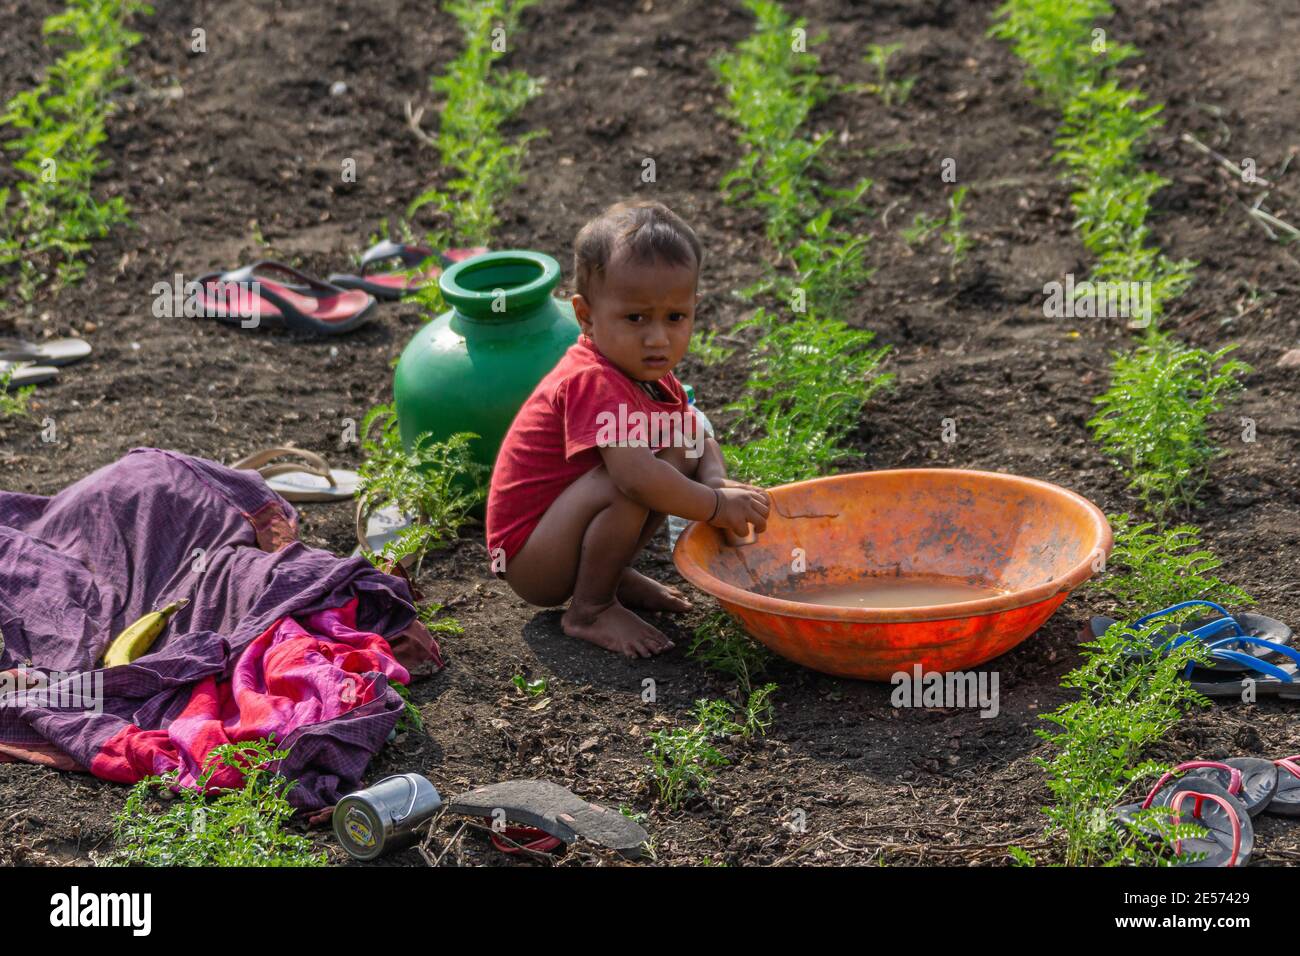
(385,816)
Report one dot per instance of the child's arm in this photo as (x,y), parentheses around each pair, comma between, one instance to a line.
(713,469)
(656,484)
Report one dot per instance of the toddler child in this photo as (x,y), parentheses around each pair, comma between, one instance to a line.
(607,446)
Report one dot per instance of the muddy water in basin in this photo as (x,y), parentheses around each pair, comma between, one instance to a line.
(891,591)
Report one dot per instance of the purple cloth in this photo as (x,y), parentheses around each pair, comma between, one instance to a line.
(153,527)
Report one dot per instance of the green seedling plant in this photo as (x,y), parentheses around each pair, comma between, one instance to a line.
(632,813)
(797,362)
(1152,568)
(1127,702)
(683,759)
(715,717)
(1103,130)
(51,216)
(477,99)
(1101,133)
(1154,418)
(445,626)
(410,719)
(722,645)
(210,826)
(708,352)
(530,688)
(809,382)
(955,239)
(13,404)
(790,448)
(891,92)
(957,243)
(759,712)
(922,228)
(437,483)
(824,269)
(770,88)
(792,427)
(1057,42)
(1153,421)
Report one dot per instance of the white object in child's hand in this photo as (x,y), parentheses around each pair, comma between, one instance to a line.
(735,541)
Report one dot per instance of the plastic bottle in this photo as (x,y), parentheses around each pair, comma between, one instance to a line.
(675,524)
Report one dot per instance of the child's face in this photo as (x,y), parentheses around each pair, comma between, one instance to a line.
(640,315)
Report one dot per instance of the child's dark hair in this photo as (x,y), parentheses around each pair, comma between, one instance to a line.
(649,232)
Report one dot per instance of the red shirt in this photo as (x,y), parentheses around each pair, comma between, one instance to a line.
(556,437)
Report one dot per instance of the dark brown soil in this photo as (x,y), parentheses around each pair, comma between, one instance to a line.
(212,149)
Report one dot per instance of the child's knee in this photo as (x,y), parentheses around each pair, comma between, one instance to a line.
(607,492)
(625,506)
(678,458)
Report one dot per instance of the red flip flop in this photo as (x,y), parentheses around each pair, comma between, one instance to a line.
(258,292)
(416,269)
(1286,802)
(523,838)
(1228,839)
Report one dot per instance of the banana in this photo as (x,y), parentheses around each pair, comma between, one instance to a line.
(135,641)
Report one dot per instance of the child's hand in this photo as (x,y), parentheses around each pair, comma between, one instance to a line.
(739,507)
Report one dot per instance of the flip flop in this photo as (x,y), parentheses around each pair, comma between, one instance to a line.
(1268,678)
(304,304)
(554,811)
(522,839)
(1219,772)
(1242,647)
(50,352)
(1254,787)
(24,373)
(1254,626)
(391,286)
(1286,802)
(1245,625)
(313,481)
(1230,837)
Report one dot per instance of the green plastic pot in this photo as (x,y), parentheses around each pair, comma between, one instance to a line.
(472,368)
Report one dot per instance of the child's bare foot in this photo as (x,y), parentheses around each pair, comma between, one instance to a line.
(615,628)
(637,590)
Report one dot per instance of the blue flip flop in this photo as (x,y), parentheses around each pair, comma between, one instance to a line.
(1243,647)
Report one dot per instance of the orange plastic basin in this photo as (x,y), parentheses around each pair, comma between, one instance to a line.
(1029,540)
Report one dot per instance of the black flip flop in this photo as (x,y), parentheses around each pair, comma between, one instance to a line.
(1286,802)
(1230,837)
(389,286)
(555,811)
(1270,678)
(1259,780)
(260,292)
(1228,774)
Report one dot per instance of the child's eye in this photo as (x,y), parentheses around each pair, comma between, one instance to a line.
(634,316)
(677,317)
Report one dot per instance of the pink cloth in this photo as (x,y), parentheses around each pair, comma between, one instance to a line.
(292,676)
